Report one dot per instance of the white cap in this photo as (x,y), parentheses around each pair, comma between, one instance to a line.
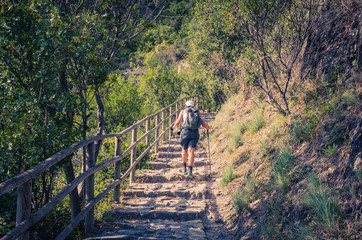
(189,104)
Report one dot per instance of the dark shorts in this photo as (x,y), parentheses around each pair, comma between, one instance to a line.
(189,138)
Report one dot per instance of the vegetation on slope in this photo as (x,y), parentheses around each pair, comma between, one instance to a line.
(299,176)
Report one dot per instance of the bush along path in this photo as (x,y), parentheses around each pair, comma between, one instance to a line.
(166,203)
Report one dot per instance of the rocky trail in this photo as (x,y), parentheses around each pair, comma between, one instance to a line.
(166,203)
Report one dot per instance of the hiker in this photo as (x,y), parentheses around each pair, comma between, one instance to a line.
(191,121)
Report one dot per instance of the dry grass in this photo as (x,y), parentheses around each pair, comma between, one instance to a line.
(259,162)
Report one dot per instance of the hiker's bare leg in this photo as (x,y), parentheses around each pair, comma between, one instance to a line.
(192,156)
(184,155)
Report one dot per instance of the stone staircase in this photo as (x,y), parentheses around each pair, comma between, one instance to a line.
(164,202)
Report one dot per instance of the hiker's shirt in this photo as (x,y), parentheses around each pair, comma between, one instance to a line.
(184,117)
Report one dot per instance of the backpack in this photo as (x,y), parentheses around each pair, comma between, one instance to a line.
(193,120)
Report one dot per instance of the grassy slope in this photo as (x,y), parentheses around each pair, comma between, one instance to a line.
(294,187)
(298,177)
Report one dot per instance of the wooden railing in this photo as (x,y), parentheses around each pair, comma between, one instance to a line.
(25,220)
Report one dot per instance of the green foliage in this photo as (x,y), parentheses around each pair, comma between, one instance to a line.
(272,225)
(108,217)
(37,113)
(299,173)
(124,104)
(303,232)
(52,61)
(322,203)
(240,202)
(263,147)
(303,127)
(162,85)
(7,212)
(223,41)
(330,150)
(358,172)
(328,111)
(257,120)
(282,167)
(243,196)
(227,175)
(238,129)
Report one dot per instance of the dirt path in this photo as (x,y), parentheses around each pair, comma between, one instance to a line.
(165,203)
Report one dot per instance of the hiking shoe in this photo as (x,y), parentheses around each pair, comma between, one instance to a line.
(189,173)
(185,171)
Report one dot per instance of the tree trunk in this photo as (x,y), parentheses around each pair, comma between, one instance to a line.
(68,166)
(74,197)
(100,120)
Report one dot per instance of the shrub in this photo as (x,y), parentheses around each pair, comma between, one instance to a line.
(282,167)
(349,97)
(227,175)
(236,133)
(257,120)
(303,127)
(358,173)
(324,205)
(240,203)
(330,150)
(303,232)
(263,147)
(243,197)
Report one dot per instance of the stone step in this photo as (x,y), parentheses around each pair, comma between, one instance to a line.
(172,163)
(172,148)
(172,175)
(177,209)
(164,202)
(187,190)
(176,148)
(170,155)
(144,229)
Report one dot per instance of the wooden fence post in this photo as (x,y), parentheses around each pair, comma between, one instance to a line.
(23,207)
(170,122)
(163,125)
(89,186)
(148,126)
(177,113)
(157,133)
(133,156)
(117,169)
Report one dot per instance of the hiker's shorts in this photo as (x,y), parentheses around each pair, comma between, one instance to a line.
(189,138)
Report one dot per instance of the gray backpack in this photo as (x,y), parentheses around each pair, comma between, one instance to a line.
(193,120)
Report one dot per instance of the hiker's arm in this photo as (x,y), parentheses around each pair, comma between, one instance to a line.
(178,120)
(203,123)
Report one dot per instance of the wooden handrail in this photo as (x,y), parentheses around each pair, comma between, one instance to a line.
(54,159)
(23,225)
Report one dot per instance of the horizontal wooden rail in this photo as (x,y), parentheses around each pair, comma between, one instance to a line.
(54,159)
(25,222)
(91,204)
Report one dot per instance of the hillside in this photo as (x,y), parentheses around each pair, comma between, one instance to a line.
(299,176)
